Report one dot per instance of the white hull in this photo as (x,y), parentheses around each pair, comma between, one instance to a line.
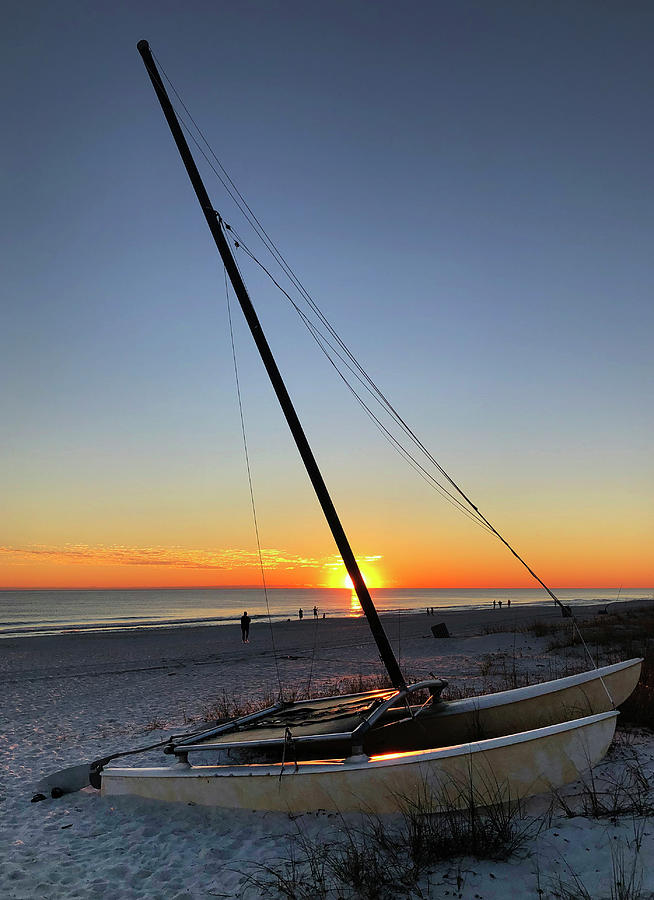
(534,706)
(513,766)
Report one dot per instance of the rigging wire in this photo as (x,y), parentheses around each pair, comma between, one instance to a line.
(254,508)
(323,343)
(250,216)
(256,225)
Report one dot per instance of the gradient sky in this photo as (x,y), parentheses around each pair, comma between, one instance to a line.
(465,188)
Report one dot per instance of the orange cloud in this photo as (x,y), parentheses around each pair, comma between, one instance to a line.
(174,557)
(85,565)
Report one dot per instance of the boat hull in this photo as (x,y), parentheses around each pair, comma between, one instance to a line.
(509,767)
(510,712)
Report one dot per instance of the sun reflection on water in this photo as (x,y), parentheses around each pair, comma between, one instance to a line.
(355,606)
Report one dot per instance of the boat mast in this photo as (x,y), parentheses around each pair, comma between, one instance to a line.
(214,223)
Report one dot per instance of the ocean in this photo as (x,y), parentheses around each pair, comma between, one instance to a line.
(28,613)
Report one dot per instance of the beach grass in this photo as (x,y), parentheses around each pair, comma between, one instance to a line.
(373,859)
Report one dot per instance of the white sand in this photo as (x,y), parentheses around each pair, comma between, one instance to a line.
(76,697)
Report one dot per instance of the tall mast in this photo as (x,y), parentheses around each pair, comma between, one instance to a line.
(213,221)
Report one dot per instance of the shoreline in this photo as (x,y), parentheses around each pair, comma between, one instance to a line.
(521,608)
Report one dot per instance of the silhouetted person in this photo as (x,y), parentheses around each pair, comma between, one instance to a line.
(499,603)
(508,601)
(300,613)
(245,627)
(494,603)
(315,612)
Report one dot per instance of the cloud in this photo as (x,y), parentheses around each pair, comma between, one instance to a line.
(335,562)
(171,557)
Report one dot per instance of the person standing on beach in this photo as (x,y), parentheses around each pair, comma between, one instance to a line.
(315,612)
(245,627)
(300,614)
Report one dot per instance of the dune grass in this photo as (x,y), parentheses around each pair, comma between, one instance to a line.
(376,858)
(610,637)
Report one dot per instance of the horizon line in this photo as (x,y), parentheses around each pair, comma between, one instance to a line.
(247,587)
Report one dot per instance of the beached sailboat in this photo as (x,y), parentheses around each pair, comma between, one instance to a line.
(367,750)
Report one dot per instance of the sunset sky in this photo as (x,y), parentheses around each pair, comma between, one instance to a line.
(465,189)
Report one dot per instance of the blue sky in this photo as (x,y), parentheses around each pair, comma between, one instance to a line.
(466,189)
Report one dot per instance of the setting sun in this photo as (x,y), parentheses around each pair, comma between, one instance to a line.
(368,567)
(370,577)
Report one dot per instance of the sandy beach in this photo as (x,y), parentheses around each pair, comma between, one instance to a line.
(75,697)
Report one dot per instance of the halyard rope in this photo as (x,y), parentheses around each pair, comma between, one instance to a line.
(590,657)
(247,463)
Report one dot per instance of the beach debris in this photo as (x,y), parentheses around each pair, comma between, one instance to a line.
(440,630)
(56,793)
(37,797)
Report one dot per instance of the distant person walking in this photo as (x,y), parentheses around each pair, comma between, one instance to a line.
(508,601)
(300,613)
(315,612)
(245,627)
(499,603)
(494,603)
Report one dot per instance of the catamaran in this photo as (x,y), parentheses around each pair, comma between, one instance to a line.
(369,750)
